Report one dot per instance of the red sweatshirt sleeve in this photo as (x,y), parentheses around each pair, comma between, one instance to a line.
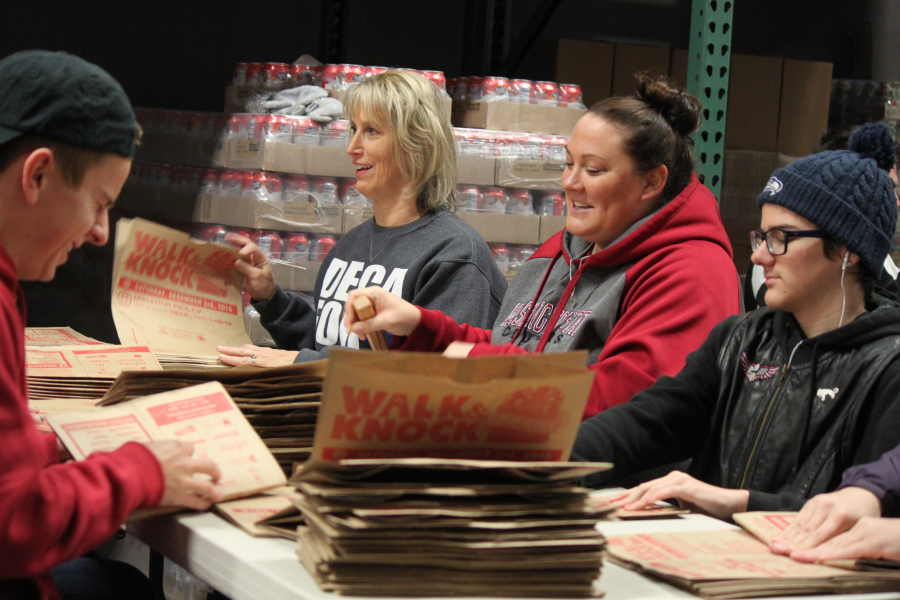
(436,331)
(669,307)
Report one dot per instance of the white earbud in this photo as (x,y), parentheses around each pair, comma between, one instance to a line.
(846,261)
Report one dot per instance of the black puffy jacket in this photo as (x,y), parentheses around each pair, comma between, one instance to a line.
(759,407)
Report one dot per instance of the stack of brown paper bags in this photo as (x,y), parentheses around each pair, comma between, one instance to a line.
(281,403)
(176,362)
(57,336)
(81,372)
(250,514)
(732,563)
(438,527)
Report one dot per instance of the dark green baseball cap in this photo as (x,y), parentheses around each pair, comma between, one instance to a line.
(66,99)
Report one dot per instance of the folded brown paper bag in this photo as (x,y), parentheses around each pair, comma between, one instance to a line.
(378,405)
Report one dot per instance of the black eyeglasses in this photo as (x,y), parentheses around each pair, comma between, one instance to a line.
(777,239)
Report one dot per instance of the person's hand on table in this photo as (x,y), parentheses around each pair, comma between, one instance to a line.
(255,356)
(691,493)
(825,516)
(392,313)
(871,537)
(179,468)
(254,266)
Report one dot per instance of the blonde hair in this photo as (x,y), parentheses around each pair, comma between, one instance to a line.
(411,109)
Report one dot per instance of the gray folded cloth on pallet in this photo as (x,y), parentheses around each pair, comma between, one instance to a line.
(325,110)
(294,101)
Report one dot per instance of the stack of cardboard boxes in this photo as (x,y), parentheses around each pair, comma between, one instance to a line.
(777,111)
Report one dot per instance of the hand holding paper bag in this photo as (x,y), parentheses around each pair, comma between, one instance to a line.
(178,467)
(254,266)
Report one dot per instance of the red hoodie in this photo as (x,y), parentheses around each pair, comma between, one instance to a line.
(51,513)
(639,306)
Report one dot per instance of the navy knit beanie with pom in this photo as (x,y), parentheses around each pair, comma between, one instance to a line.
(846,193)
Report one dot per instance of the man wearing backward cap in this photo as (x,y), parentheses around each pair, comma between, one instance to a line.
(67,137)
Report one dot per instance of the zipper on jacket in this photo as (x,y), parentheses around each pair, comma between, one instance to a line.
(784,371)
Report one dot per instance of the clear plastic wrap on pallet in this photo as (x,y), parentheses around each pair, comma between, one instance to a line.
(199,138)
(521,91)
(523,160)
(511,201)
(242,198)
(511,257)
(508,144)
(281,76)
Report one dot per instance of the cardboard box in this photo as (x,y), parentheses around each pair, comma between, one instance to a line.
(297,278)
(322,161)
(805,96)
(589,64)
(678,67)
(739,237)
(476,170)
(754,95)
(240,211)
(631,59)
(356,215)
(529,174)
(510,116)
(549,120)
(508,229)
(744,175)
(550,226)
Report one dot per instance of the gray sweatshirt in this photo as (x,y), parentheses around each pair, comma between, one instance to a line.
(436,262)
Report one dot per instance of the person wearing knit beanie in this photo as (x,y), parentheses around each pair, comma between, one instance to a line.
(847,199)
(870,140)
(847,193)
(778,402)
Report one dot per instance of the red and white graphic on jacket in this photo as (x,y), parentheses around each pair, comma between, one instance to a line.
(569,320)
(755,371)
(340,278)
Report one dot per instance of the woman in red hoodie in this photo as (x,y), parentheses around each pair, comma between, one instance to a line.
(639,277)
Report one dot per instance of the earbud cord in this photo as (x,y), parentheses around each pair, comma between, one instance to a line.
(843,293)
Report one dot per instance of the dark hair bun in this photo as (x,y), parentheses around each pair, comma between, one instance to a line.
(873,140)
(677,107)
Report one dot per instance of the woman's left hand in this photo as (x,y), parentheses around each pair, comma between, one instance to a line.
(255,356)
(691,493)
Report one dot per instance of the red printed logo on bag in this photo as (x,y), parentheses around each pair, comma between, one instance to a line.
(529,415)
